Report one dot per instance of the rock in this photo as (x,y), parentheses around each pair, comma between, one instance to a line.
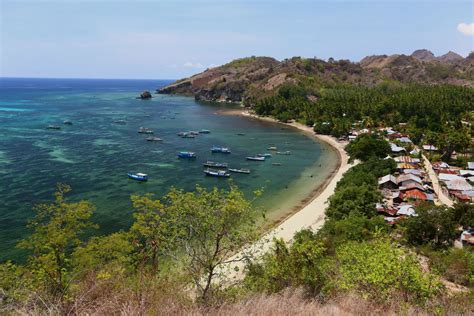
(145,95)
(423,55)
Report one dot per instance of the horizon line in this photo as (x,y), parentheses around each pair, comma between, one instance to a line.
(84,78)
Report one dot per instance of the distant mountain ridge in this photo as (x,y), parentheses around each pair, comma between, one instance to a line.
(257,77)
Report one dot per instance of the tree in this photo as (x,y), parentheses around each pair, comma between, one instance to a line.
(367,146)
(206,228)
(360,199)
(57,227)
(434,225)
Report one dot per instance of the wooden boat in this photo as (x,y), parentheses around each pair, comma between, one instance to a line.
(138,176)
(204,131)
(187,135)
(55,127)
(186,154)
(217,173)
(181,134)
(67,122)
(272,148)
(154,139)
(266,155)
(283,152)
(144,130)
(256,158)
(222,150)
(195,133)
(213,164)
(246,171)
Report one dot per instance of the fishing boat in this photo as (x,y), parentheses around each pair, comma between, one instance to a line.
(55,127)
(217,173)
(181,134)
(187,135)
(222,150)
(204,131)
(154,139)
(67,122)
(138,176)
(272,148)
(256,158)
(213,164)
(195,133)
(283,152)
(144,130)
(186,154)
(246,171)
(266,155)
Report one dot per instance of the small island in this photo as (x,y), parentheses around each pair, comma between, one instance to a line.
(145,95)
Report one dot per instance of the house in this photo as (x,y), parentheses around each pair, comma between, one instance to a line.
(448,177)
(411,186)
(458,185)
(462,196)
(396,149)
(467,237)
(406,210)
(414,152)
(403,166)
(407,159)
(440,165)
(470,165)
(406,179)
(416,172)
(415,194)
(388,182)
(405,140)
(429,148)
(466,173)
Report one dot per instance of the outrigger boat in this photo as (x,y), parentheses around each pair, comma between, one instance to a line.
(204,131)
(154,139)
(213,164)
(217,173)
(283,152)
(144,130)
(186,154)
(138,176)
(246,171)
(256,158)
(222,150)
(55,127)
(266,155)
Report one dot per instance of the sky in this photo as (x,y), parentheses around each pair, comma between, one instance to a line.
(171,39)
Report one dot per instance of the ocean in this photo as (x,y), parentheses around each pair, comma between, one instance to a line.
(94,154)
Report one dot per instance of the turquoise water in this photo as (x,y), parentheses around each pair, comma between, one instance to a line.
(94,154)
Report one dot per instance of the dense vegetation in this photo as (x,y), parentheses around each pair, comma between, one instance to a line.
(433,112)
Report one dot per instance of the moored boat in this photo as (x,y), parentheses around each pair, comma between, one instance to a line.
(138,176)
(187,135)
(122,122)
(186,154)
(283,152)
(222,150)
(266,155)
(55,127)
(154,139)
(217,173)
(215,164)
(195,133)
(67,122)
(204,131)
(256,158)
(144,130)
(272,148)
(246,171)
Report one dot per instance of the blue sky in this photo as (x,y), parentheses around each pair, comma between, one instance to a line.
(172,39)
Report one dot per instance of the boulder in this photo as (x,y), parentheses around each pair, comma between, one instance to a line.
(145,95)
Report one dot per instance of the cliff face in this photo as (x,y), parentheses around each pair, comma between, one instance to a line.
(256,77)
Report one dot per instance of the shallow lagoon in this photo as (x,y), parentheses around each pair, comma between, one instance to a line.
(94,154)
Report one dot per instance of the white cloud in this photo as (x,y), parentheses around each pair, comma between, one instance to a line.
(466,29)
(193,65)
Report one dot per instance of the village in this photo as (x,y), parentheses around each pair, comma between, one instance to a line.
(419,180)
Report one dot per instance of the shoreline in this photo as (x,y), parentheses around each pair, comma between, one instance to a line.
(309,214)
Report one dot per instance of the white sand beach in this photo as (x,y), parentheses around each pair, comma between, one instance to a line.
(310,215)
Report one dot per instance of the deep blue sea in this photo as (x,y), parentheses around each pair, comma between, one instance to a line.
(94,154)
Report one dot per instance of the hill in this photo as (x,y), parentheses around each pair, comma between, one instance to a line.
(258,77)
